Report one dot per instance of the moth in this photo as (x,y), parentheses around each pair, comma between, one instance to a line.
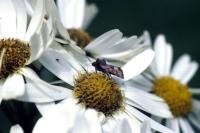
(101,65)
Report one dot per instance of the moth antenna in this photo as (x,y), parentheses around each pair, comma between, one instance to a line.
(84,68)
(89,60)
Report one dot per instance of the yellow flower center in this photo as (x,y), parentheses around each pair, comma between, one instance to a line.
(14,54)
(81,37)
(175,94)
(98,91)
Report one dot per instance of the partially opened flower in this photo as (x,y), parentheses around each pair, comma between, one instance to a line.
(23,39)
(76,15)
(103,93)
(171,84)
(111,45)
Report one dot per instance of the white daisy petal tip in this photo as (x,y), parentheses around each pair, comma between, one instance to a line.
(160,39)
(108,38)
(13,87)
(16,129)
(147,37)
(138,64)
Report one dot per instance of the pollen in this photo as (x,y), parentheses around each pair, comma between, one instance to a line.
(81,37)
(176,95)
(14,54)
(98,91)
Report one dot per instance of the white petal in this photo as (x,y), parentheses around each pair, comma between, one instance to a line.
(65,55)
(106,40)
(141,92)
(0,30)
(146,127)
(169,57)
(53,12)
(93,121)
(194,119)
(87,123)
(137,64)
(194,115)
(153,107)
(123,50)
(29,7)
(156,126)
(196,104)
(122,56)
(191,71)
(185,126)
(147,38)
(46,32)
(59,65)
(134,123)
(90,12)
(141,83)
(159,48)
(16,129)
(173,124)
(71,12)
(36,20)
(163,57)
(36,44)
(141,79)
(53,125)
(79,56)
(63,113)
(108,125)
(139,86)
(8,19)
(39,91)
(21,18)
(195,91)
(158,119)
(76,48)
(122,127)
(13,87)
(81,125)
(43,108)
(180,67)
(122,46)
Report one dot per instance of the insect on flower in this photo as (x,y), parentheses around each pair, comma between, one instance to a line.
(101,65)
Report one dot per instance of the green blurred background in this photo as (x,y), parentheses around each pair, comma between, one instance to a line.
(179,20)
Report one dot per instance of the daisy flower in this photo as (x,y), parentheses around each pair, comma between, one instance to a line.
(23,39)
(171,84)
(105,94)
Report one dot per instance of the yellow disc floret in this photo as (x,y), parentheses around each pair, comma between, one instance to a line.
(14,54)
(175,94)
(81,37)
(98,91)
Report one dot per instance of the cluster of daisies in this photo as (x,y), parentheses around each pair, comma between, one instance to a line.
(107,84)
